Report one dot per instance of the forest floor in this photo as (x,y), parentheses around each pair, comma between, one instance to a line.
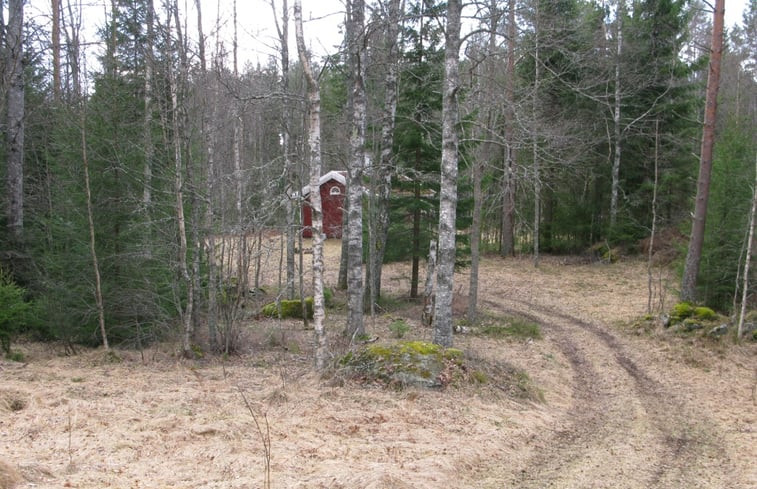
(617,406)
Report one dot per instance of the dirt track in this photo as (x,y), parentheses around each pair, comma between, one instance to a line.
(620,410)
(636,420)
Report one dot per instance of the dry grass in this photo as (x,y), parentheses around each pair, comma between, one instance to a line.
(155,420)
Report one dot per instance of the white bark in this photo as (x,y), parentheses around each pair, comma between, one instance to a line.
(91,225)
(149,148)
(615,185)
(427,315)
(442,331)
(748,258)
(185,312)
(290,173)
(384,170)
(314,159)
(355,326)
(535,143)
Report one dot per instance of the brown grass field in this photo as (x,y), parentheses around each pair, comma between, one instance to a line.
(596,403)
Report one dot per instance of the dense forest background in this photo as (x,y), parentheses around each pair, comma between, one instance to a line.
(153,179)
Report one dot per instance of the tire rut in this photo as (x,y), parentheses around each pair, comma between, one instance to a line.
(623,425)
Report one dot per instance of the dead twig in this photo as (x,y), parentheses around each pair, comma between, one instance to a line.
(265,438)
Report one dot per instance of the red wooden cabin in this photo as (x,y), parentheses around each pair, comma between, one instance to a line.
(333,187)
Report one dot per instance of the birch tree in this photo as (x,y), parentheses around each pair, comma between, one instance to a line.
(385,164)
(356,47)
(442,330)
(314,160)
(694,253)
(507,243)
(486,152)
(290,173)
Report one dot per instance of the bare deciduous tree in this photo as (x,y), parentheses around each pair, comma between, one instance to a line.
(314,159)
(442,331)
(356,48)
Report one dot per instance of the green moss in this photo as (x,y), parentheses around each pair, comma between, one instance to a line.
(379,351)
(704,313)
(419,347)
(453,354)
(289,309)
(681,311)
(405,363)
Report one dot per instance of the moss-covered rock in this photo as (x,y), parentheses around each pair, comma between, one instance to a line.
(288,309)
(410,363)
(704,313)
(681,311)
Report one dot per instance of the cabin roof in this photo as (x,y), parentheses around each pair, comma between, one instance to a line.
(339,176)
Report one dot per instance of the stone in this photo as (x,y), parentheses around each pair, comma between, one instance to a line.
(718,330)
(665,318)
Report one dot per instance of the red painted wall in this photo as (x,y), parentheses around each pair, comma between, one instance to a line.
(333,206)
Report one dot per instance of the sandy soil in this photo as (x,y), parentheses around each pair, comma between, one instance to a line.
(620,410)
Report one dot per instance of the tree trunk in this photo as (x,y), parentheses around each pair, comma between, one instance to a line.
(535,144)
(427,315)
(384,170)
(615,185)
(416,260)
(507,243)
(185,311)
(289,167)
(442,331)
(650,254)
(15,118)
(748,258)
(694,254)
(478,163)
(55,5)
(356,41)
(149,149)
(314,158)
(91,225)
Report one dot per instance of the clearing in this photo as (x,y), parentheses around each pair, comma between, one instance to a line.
(620,409)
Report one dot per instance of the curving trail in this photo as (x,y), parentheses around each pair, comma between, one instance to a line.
(627,425)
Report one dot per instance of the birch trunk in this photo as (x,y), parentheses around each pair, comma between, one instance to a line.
(478,165)
(615,185)
(355,27)
(427,315)
(314,159)
(507,244)
(186,311)
(289,167)
(15,118)
(694,254)
(535,143)
(654,216)
(91,225)
(748,258)
(384,170)
(149,148)
(442,331)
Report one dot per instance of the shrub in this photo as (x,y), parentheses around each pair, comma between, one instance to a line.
(16,314)
(399,328)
